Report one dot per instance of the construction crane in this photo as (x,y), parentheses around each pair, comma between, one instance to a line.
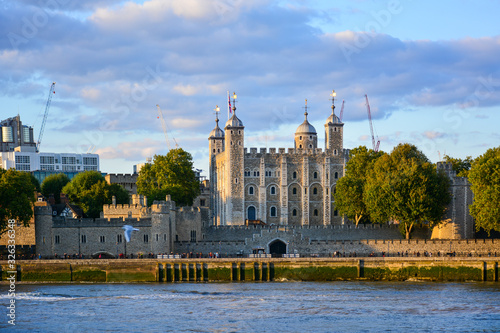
(164,126)
(342,111)
(377,144)
(47,107)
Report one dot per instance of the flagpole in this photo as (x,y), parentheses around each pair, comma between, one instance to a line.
(228,105)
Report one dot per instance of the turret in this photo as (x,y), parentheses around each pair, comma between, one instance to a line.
(305,135)
(234,150)
(334,136)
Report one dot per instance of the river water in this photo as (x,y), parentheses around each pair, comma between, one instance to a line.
(255,307)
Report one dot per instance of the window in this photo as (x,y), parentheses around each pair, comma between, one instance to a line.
(57,239)
(22,159)
(305,191)
(157,237)
(300,138)
(300,146)
(84,238)
(202,202)
(165,237)
(315,213)
(89,161)
(315,175)
(294,175)
(326,191)
(310,137)
(315,190)
(273,212)
(119,238)
(218,150)
(273,190)
(250,190)
(294,212)
(102,239)
(335,152)
(294,190)
(336,175)
(46,159)
(236,181)
(335,213)
(310,146)
(335,129)
(214,150)
(193,236)
(146,239)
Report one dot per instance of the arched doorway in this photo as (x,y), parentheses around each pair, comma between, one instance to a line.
(251,213)
(277,248)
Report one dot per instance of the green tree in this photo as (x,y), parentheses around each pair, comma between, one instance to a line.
(349,191)
(53,184)
(169,174)
(405,187)
(461,167)
(90,191)
(17,195)
(484,177)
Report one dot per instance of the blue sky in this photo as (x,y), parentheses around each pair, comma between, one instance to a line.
(430,69)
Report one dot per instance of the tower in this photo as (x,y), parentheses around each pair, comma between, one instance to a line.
(215,146)
(235,166)
(305,135)
(334,136)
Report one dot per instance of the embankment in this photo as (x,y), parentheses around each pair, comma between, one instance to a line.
(252,269)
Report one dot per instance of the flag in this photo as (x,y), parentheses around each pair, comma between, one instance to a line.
(229,104)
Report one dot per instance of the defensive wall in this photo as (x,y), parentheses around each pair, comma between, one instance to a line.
(297,244)
(269,269)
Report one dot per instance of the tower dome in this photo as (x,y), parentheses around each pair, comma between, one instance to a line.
(234,121)
(216,132)
(305,135)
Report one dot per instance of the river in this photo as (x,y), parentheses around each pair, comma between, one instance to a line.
(255,307)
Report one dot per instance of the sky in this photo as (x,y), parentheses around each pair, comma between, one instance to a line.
(431,71)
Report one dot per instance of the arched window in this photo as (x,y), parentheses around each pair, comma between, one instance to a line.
(336,175)
(294,190)
(315,212)
(300,146)
(310,146)
(294,175)
(214,150)
(335,129)
(250,190)
(315,175)
(335,152)
(294,212)
(315,190)
(273,212)
(273,190)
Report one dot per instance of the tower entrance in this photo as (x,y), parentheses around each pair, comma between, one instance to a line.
(277,248)
(251,213)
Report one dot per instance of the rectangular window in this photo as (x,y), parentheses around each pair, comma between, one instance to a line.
(46,159)
(193,236)
(157,237)
(102,239)
(22,159)
(68,160)
(57,239)
(146,239)
(119,238)
(165,237)
(84,238)
(90,161)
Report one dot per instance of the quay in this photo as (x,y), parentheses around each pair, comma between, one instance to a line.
(202,270)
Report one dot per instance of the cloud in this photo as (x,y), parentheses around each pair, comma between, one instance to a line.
(433,134)
(131,151)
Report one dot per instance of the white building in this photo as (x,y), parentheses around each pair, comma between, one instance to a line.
(58,162)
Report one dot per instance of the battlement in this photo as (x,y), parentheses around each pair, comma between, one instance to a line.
(189,209)
(60,222)
(283,151)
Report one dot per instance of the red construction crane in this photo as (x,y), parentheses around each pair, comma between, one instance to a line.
(47,106)
(375,145)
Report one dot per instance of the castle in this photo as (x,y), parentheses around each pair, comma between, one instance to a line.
(276,201)
(279,187)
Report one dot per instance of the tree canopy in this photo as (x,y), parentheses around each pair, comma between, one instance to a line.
(405,187)
(484,177)
(53,184)
(90,191)
(461,167)
(169,174)
(349,191)
(17,195)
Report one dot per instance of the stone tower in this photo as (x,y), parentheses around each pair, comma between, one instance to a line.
(235,182)
(305,135)
(334,132)
(216,146)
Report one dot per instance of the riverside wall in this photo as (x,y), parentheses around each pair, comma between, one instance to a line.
(253,269)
